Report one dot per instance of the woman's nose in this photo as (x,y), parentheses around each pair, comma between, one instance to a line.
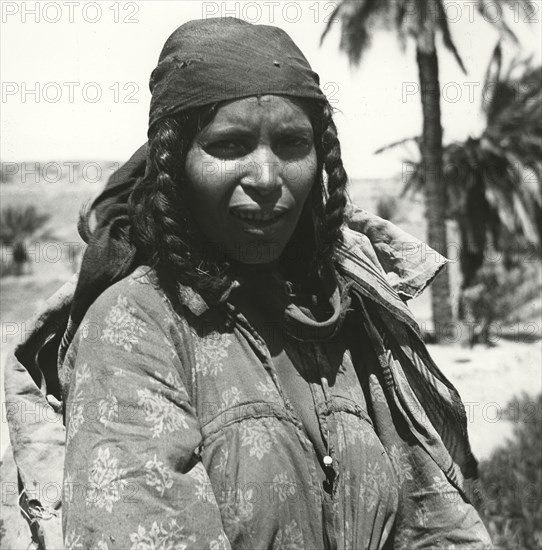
(262,174)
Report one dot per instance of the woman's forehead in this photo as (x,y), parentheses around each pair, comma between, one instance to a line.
(279,110)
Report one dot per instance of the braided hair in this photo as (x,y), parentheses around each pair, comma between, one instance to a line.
(168,239)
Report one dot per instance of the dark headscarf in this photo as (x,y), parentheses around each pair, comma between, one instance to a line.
(203,62)
(215,60)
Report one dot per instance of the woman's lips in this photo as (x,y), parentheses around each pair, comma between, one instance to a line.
(257,215)
(257,221)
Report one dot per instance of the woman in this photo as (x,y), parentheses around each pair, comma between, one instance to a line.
(237,370)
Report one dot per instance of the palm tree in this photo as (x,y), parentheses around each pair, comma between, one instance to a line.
(493,183)
(420,20)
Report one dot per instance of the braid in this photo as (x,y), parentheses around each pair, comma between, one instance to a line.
(162,227)
(313,243)
(336,185)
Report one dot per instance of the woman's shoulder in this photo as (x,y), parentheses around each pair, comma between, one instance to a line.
(407,263)
(133,315)
(138,294)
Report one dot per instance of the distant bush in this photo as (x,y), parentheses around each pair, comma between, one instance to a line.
(500,294)
(20,222)
(512,482)
(17,225)
(7,265)
(387,207)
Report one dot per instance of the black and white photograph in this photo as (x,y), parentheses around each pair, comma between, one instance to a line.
(270,275)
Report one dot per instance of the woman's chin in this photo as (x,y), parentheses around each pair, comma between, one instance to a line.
(260,254)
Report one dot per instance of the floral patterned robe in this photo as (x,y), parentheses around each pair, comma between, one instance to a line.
(179,433)
(153,464)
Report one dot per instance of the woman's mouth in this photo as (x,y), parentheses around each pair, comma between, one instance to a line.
(253,220)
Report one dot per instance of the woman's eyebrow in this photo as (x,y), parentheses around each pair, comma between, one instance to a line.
(226,130)
(295,128)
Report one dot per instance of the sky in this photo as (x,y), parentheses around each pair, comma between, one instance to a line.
(75,75)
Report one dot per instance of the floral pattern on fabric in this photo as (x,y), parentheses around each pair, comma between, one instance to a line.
(211,352)
(133,479)
(161,413)
(121,327)
(291,537)
(257,436)
(373,480)
(237,508)
(171,379)
(73,541)
(268,390)
(77,408)
(204,490)
(284,487)
(161,536)
(401,464)
(231,397)
(222,462)
(161,479)
(108,409)
(352,433)
(221,543)
(105,481)
(158,475)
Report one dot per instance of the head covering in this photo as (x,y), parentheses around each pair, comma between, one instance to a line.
(202,62)
(219,59)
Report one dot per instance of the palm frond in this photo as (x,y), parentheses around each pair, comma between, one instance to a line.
(415,182)
(493,72)
(499,22)
(357,24)
(447,36)
(421,24)
(331,20)
(393,145)
(494,182)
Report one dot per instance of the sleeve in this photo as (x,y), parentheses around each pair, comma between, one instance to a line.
(432,514)
(133,478)
(413,418)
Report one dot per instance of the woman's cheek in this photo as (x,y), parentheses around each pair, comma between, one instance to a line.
(208,178)
(212,172)
(303,176)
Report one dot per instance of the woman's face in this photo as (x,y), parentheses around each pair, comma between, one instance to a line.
(249,172)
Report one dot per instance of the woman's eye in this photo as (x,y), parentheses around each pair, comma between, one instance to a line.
(295,146)
(227,149)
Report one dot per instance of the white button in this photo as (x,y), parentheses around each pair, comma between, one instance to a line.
(328,460)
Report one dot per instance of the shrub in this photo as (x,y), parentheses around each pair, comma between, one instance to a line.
(17,224)
(512,482)
(387,207)
(499,294)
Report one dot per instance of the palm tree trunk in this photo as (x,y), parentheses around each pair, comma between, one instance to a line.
(435,196)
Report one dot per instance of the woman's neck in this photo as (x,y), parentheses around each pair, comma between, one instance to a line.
(254,269)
